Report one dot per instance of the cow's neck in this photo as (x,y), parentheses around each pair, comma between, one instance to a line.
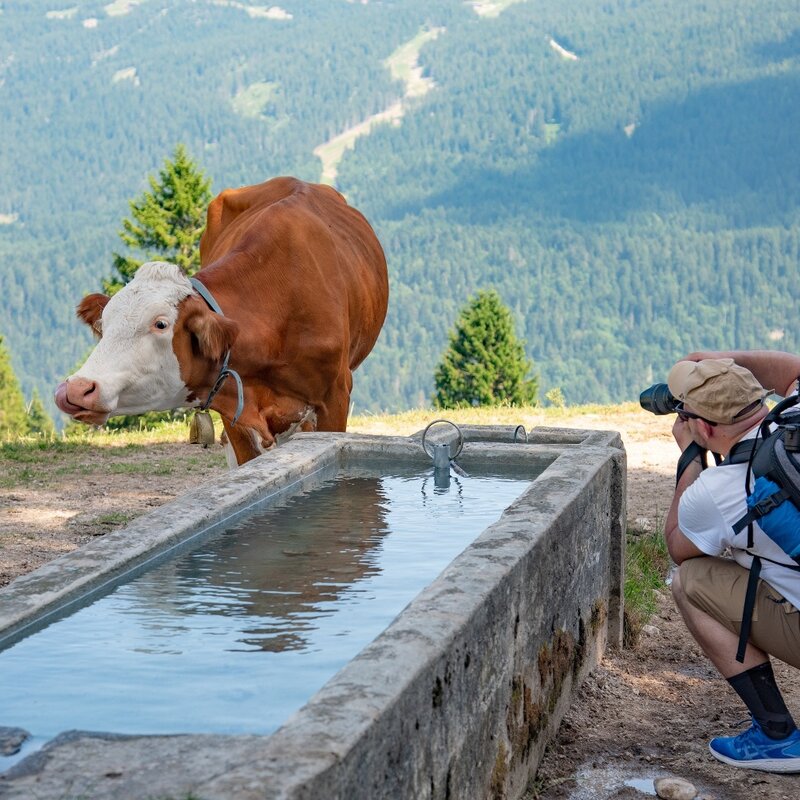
(225,372)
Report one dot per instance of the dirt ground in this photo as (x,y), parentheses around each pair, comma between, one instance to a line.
(53,502)
(642,715)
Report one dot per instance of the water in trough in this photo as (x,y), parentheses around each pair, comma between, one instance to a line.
(238,633)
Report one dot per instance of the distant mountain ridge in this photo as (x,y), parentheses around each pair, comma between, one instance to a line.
(632,192)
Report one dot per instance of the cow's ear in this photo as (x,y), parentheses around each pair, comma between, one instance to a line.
(215,334)
(90,310)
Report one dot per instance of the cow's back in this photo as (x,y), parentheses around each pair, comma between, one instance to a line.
(309,247)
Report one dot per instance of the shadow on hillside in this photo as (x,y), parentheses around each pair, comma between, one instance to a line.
(727,150)
(775,52)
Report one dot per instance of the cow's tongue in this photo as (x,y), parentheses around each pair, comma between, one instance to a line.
(63,403)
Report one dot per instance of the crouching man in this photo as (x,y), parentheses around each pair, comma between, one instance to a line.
(720,404)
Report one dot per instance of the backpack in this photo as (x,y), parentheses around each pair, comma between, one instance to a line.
(773,457)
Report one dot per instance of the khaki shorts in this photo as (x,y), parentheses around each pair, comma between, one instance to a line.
(717,586)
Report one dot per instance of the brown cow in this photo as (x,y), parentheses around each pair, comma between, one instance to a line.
(300,279)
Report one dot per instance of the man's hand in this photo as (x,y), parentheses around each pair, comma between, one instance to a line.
(702,355)
(683,435)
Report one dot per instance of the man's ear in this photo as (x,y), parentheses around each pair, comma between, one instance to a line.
(90,310)
(215,334)
(708,431)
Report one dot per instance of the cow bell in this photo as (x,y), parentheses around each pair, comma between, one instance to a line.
(201,429)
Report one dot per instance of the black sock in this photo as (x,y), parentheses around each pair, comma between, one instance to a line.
(761,695)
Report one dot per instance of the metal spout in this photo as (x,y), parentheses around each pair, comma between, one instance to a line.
(441,465)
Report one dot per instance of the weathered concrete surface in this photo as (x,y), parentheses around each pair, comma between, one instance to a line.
(441,430)
(552,442)
(456,699)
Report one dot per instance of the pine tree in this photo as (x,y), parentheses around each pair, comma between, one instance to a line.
(39,421)
(485,363)
(167,222)
(13,414)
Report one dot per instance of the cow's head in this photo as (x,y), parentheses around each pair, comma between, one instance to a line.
(159,345)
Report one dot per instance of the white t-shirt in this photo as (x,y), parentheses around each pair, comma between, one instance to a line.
(710,507)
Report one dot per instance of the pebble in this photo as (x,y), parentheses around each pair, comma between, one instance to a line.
(650,630)
(674,789)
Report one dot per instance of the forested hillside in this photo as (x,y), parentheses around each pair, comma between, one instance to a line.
(623,172)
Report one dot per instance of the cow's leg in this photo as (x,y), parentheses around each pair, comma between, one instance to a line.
(230,453)
(246,442)
(306,421)
(333,414)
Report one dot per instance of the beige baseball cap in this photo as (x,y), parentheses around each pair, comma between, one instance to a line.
(718,389)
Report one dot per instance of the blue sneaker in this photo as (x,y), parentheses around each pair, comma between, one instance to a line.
(753,749)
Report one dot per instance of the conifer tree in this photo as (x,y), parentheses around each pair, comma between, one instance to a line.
(13,414)
(39,421)
(485,363)
(166,222)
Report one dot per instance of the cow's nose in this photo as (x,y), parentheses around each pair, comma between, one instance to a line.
(83,393)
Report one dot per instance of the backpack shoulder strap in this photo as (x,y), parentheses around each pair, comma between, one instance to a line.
(741,452)
(749,605)
(690,454)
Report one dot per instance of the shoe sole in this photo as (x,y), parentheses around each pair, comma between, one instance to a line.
(780,765)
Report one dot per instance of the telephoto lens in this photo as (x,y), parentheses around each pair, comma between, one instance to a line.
(657,399)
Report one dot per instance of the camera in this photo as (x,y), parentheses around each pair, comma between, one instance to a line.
(657,399)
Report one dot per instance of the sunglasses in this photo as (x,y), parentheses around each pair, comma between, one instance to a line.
(685,415)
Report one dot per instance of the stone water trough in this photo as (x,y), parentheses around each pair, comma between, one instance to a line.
(455,698)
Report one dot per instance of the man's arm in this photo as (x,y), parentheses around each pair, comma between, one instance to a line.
(773,369)
(679,546)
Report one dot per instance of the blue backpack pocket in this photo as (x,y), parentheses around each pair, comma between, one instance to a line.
(782,523)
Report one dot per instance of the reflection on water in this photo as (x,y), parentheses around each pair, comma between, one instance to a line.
(278,571)
(235,635)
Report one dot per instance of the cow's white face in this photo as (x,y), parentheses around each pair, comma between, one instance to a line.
(133,368)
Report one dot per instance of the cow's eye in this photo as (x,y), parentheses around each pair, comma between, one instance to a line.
(161,324)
